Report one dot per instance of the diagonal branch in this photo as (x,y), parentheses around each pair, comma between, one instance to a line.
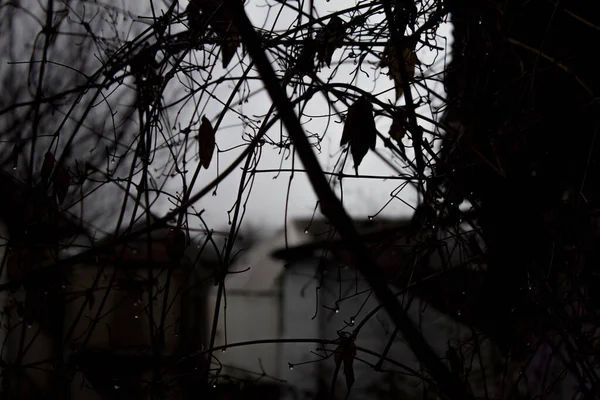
(332,208)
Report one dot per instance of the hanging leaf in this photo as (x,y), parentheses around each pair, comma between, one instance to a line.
(216,14)
(206,142)
(47,166)
(346,352)
(61,184)
(390,59)
(456,364)
(229,47)
(359,130)
(330,39)
(305,64)
(175,244)
(398,127)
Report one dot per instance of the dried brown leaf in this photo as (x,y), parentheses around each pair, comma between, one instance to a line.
(398,127)
(359,130)
(206,142)
(228,48)
(61,184)
(456,365)
(47,166)
(330,39)
(346,352)
(391,60)
(175,244)
(305,65)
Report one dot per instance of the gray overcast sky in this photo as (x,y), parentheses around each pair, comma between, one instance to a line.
(362,197)
(267,202)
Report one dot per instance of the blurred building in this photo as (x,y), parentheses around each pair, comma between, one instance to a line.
(301,284)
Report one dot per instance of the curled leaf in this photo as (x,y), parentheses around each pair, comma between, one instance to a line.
(175,244)
(206,142)
(61,184)
(390,58)
(359,130)
(47,166)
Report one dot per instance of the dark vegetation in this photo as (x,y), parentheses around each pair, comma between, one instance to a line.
(508,178)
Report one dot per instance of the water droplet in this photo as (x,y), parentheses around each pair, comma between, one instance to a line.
(370,218)
(530,287)
(214,385)
(136,316)
(306,231)
(464,293)
(223,350)
(291,365)
(63,286)
(458,313)
(29,326)
(352,321)
(337,310)
(113,160)
(14,167)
